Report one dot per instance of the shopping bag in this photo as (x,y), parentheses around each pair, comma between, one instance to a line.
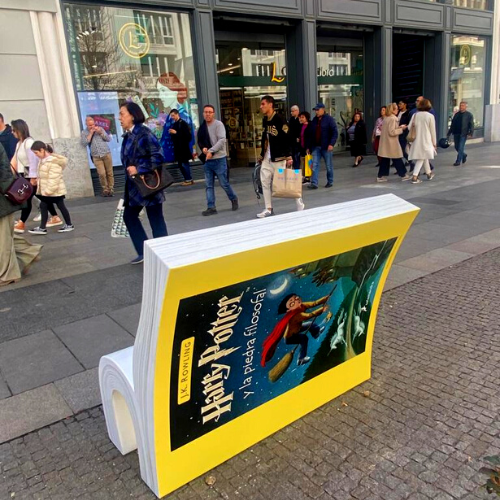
(308,166)
(118,228)
(287,183)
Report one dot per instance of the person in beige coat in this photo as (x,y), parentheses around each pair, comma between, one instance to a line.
(50,186)
(423,147)
(389,147)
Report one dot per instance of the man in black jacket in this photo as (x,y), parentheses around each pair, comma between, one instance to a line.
(404,119)
(294,131)
(181,137)
(275,153)
(7,139)
(461,127)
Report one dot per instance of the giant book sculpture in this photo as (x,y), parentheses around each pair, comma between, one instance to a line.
(245,328)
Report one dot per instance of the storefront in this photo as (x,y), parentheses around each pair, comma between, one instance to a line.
(468,77)
(125,54)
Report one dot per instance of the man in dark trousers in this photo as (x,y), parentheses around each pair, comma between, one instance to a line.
(181,137)
(324,135)
(294,131)
(462,126)
(404,119)
(7,138)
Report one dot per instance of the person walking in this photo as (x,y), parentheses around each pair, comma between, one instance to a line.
(275,153)
(377,131)
(51,189)
(324,136)
(180,133)
(304,140)
(96,139)
(295,127)
(389,148)
(25,163)
(357,138)
(16,254)
(423,148)
(212,142)
(403,119)
(462,126)
(140,154)
(7,139)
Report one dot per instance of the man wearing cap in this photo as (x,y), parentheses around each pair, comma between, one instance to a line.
(294,131)
(324,135)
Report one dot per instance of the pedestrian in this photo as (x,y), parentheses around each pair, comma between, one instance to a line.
(212,142)
(304,140)
(323,138)
(377,130)
(25,163)
(357,138)
(275,153)
(50,186)
(423,147)
(140,154)
(412,113)
(16,254)
(180,134)
(389,148)
(7,139)
(403,119)
(96,139)
(462,126)
(295,127)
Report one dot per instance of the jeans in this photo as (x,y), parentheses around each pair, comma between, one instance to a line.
(402,143)
(185,170)
(385,163)
(217,168)
(296,159)
(460,141)
(134,226)
(317,153)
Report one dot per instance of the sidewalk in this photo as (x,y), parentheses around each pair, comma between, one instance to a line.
(417,430)
(83,299)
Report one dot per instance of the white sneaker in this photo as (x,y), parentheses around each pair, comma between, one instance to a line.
(300,205)
(381,179)
(38,218)
(265,213)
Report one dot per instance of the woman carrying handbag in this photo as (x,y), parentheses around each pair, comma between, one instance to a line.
(16,254)
(141,155)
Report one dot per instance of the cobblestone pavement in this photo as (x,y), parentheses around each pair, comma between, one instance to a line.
(430,415)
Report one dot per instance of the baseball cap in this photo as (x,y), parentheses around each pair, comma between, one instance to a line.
(318,106)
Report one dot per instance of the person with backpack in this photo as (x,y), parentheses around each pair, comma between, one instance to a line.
(96,139)
(51,189)
(16,254)
(140,154)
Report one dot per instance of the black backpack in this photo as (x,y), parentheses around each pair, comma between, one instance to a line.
(257,183)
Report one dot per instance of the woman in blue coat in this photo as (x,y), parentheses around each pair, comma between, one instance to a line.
(140,154)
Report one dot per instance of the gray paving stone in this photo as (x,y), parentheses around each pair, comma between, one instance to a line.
(35,360)
(91,338)
(435,260)
(400,275)
(128,317)
(4,390)
(31,410)
(81,391)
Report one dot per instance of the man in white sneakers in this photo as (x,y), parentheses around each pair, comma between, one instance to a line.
(275,153)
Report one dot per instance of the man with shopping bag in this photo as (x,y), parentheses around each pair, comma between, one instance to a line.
(275,154)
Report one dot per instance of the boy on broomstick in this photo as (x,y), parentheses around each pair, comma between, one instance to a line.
(296,321)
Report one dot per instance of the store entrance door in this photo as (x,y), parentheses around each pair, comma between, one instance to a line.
(247,71)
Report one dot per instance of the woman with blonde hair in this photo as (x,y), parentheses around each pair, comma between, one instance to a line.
(423,148)
(390,148)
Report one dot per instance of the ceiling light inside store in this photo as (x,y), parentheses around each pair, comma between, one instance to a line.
(229,64)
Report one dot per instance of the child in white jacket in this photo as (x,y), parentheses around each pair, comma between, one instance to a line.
(50,186)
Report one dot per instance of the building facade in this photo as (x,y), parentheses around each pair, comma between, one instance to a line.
(79,58)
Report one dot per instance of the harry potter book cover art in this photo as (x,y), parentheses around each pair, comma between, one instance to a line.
(238,347)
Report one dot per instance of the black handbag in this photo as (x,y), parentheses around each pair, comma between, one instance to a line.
(153,182)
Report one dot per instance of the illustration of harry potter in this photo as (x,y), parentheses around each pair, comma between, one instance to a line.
(294,326)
